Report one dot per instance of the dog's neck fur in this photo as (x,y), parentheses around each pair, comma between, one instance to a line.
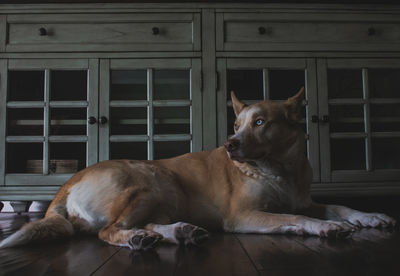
(286,165)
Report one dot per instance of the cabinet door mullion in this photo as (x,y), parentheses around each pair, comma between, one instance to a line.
(367,122)
(150,113)
(312,109)
(196,127)
(104,109)
(92,111)
(46,122)
(3,99)
(324,141)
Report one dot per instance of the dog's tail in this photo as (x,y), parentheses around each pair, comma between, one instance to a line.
(54,225)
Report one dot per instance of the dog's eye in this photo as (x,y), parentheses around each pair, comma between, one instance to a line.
(236,126)
(259,122)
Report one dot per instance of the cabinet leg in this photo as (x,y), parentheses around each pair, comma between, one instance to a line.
(41,206)
(20,206)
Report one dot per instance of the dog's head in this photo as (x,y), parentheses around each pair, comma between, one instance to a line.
(266,130)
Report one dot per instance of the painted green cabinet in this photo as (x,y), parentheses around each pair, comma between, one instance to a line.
(83,83)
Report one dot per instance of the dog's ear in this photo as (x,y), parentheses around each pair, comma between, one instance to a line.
(294,106)
(237,105)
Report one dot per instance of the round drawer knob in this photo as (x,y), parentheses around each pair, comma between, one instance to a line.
(103,120)
(155,30)
(92,120)
(42,31)
(371,31)
(262,30)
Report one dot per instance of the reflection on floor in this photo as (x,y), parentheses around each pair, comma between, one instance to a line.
(368,252)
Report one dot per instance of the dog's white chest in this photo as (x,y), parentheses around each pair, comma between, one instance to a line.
(272,193)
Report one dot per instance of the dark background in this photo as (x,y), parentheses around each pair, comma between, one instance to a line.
(206,1)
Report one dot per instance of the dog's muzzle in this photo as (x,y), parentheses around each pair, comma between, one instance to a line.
(232,145)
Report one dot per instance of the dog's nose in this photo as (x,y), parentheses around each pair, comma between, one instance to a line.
(232,145)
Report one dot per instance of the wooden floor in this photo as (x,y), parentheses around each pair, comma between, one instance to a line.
(368,252)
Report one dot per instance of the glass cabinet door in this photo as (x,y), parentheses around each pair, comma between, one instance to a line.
(360,119)
(151,109)
(268,79)
(48,103)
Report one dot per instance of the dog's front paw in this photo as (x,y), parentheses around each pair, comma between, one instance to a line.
(371,220)
(334,229)
(191,234)
(144,239)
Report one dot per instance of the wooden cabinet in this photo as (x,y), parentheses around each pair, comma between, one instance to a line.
(82,83)
(63,115)
(351,113)
(359,103)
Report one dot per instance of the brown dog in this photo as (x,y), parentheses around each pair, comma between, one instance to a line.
(258,183)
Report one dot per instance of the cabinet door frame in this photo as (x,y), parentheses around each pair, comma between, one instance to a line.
(106,65)
(368,175)
(91,138)
(308,65)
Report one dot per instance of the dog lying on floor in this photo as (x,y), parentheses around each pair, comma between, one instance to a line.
(259,182)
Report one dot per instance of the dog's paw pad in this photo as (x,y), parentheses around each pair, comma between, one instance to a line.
(191,234)
(143,240)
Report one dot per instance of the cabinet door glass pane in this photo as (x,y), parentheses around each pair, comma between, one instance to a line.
(345,83)
(128,85)
(172,120)
(284,84)
(68,85)
(348,154)
(24,158)
(385,117)
(171,84)
(68,121)
(67,157)
(247,84)
(128,150)
(25,121)
(128,120)
(384,83)
(25,85)
(170,149)
(386,153)
(346,118)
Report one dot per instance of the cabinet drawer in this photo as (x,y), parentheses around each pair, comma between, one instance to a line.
(308,32)
(122,32)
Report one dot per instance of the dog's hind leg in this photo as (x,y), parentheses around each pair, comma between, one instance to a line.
(127,229)
(180,232)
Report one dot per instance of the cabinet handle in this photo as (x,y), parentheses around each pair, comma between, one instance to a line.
(92,120)
(325,119)
(314,119)
(103,120)
(42,31)
(261,30)
(371,31)
(155,30)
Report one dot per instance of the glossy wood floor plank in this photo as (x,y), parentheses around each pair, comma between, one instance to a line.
(278,252)
(160,261)
(77,256)
(221,255)
(367,252)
